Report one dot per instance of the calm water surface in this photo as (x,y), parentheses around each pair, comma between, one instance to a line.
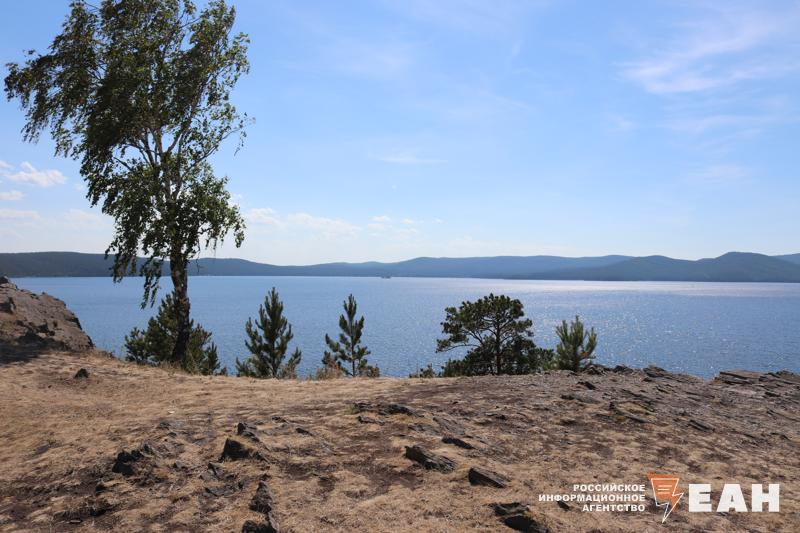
(699,328)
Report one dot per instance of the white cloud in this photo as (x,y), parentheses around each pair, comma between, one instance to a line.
(263,215)
(381,218)
(409,221)
(41,178)
(299,222)
(4,165)
(16,214)
(81,218)
(11,195)
(328,227)
(723,49)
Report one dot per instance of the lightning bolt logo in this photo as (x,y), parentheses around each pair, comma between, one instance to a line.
(665,492)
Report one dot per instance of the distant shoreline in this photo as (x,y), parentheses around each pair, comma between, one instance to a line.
(733,267)
(165,278)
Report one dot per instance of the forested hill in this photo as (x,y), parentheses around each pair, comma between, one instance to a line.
(734,266)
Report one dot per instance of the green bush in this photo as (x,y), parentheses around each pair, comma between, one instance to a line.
(154,345)
(575,351)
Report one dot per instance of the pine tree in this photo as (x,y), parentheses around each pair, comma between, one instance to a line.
(498,336)
(575,351)
(154,345)
(268,341)
(348,349)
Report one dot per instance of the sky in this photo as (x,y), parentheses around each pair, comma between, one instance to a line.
(391,129)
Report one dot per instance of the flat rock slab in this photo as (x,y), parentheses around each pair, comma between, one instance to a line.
(455,441)
(517,516)
(385,409)
(369,420)
(247,430)
(482,476)
(739,377)
(429,460)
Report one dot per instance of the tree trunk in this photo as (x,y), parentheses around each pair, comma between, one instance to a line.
(497,354)
(180,281)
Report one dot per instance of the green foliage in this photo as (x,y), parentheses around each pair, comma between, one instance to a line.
(138,91)
(348,349)
(575,351)
(499,338)
(154,345)
(268,342)
(424,373)
(526,360)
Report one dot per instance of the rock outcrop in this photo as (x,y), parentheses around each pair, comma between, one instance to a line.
(31,322)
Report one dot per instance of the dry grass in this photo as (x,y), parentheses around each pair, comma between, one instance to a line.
(60,435)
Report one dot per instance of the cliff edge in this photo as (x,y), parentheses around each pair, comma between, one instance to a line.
(34,322)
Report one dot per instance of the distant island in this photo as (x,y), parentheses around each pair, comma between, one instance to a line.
(730,267)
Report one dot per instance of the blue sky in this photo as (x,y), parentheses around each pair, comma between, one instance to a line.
(398,128)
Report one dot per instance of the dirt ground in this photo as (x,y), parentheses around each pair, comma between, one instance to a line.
(332,453)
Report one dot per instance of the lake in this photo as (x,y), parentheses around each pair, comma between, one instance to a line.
(698,328)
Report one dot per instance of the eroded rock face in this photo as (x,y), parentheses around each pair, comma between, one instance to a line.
(31,321)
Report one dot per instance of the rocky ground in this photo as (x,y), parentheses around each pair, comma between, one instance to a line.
(31,323)
(90,443)
(140,449)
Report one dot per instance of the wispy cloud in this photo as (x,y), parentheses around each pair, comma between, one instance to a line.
(79,217)
(4,165)
(328,227)
(621,123)
(723,48)
(369,58)
(726,121)
(11,196)
(30,174)
(298,222)
(377,55)
(381,218)
(719,175)
(16,214)
(475,16)
(263,215)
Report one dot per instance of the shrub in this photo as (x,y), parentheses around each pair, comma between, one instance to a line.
(154,345)
(426,372)
(575,351)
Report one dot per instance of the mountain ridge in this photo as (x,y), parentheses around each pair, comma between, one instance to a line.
(732,266)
